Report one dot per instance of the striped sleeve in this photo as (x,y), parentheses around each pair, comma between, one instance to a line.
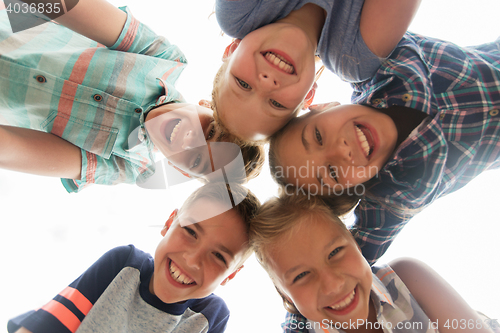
(66,311)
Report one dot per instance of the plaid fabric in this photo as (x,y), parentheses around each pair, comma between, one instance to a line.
(54,80)
(396,309)
(459,89)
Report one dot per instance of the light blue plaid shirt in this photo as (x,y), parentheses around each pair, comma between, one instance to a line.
(54,80)
(459,89)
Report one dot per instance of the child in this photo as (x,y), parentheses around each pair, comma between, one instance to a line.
(98,99)
(327,285)
(426,124)
(204,244)
(269,69)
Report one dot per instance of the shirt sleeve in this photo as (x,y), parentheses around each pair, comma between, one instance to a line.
(139,38)
(109,171)
(375,228)
(65,312)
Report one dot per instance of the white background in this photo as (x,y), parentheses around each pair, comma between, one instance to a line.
(48,237)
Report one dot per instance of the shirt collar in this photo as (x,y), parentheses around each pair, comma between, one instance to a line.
(380,295)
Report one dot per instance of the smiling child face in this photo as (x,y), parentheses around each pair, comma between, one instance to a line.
(181,132)
(343,146)
(322,271)
(192,259)
(268,76)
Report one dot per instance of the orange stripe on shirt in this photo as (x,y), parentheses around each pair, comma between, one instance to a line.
(75,296)
(91,168)
(383,276)
(385,296)
(129,37)
(65,316)
(164,76)
(69,90)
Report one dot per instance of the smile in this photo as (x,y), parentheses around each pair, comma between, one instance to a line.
(178,276)
(343,304)
(365,139)
(280,62)
(171,129)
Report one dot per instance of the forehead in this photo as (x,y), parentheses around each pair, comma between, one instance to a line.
(305,240)
(217,219)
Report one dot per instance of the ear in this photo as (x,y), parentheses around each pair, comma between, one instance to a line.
(318,108)
(205,103)
(230,49)
(231,276)
(169,222)
(310,96)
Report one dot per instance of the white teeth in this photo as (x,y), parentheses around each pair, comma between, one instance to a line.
(348,300)
(278,60)
(364,141)
(174,131)
(178,276)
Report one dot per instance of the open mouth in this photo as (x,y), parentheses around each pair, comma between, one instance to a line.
(345,302)
(280,62)
(178,276)
(171,129)
(365,139)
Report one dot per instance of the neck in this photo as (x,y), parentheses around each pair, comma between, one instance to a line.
(310,18)
(370,325)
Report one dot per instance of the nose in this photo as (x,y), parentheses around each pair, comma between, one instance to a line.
(331,283)
(193,139)
(268,81)
(341,150)
(193,258)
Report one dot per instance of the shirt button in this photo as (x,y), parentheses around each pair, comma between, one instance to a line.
(41,78)
(138,110)
(406,97)
(494,112)
(441,116)
(377,101)
(97,98)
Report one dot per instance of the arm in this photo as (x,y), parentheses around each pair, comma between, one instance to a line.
(94,19)
(436,297)
(39,153)
(384,22)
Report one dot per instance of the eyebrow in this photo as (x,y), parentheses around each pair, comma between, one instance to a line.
(304,141)
(239,91)
(291,270)
(200,229)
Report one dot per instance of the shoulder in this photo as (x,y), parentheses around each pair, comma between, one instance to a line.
(214,309)
(405,265)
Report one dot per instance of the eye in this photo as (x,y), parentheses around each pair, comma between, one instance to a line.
(211,131)
(332,172)
(243,84)
(318,136)
(300,276)
(276,104)
(220,257)
(190,231)
(334,252)
(196,162)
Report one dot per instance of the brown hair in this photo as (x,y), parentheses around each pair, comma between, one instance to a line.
(277,219)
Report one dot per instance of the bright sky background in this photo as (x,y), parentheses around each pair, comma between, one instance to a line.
(49,237)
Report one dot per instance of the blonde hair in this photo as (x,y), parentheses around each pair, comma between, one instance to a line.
(278,219)
(243,201)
